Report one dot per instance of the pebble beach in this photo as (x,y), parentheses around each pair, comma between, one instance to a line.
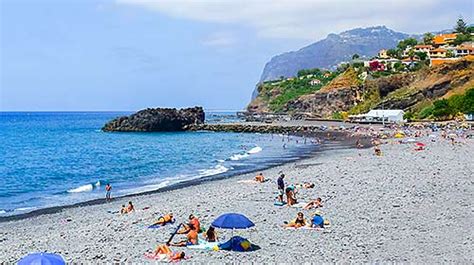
(404,206)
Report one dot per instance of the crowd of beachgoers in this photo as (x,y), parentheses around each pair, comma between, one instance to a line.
(407,198)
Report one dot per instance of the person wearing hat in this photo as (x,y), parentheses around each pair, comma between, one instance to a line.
(317,221)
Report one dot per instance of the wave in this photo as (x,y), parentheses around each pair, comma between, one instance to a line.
(85,188)
(256,149)
(218,169)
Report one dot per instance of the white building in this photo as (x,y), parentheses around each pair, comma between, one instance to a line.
(378,115)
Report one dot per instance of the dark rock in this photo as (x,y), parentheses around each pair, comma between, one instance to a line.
(156,120)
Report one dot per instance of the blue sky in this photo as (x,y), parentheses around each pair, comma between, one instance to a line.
(133,54)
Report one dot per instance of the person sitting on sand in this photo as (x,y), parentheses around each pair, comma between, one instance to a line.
(191,238)
(298,222)
(193,222)
(123,210)
(260,178)
(165,219)
(317,221)
(290,195)
(130,207)
(377,151)
(314,204)
(211,234)
(164,249)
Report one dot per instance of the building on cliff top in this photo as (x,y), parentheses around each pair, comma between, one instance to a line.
(379,115)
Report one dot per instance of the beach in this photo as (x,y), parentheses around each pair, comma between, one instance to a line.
(403,206)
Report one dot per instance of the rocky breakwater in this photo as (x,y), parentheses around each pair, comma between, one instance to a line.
(157,120)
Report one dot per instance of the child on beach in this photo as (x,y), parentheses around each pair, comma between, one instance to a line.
(260,178)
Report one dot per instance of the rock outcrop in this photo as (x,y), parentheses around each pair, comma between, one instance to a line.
(157,120)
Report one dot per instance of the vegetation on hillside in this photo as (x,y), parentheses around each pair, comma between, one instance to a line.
(277,93)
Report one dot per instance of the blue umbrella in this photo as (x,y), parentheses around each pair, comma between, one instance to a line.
(232,221)
(42,259)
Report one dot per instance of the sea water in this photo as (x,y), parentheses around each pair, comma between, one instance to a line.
(59,158)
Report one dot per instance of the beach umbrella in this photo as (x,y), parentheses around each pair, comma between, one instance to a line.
(42,258)
(232,221)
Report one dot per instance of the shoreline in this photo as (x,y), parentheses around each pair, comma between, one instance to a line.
(402,207)
(340,139)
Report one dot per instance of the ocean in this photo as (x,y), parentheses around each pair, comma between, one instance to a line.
(50,159)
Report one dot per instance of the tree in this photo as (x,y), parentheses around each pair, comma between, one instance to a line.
(355,56)
(394,53)
(421,55)
(398,66)
(468,102)
(461,38)
(441,109)
(428,38)
(402,45)
(449,54)
(461,26)
(411,54)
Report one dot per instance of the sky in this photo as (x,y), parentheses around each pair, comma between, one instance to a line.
(108,55)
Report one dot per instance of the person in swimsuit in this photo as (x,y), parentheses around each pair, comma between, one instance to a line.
(260,178)
(290,195)
(314,204)
(298,222)
(211,234)
(123,210)
(164,220)
(191,238)
(108,190)
(130,207)
(164,249)
(194,222)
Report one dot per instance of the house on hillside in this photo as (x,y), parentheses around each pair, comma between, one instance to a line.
(423,48)
(438,53)
(464,50)
(383,54)
(315,82)
(444,39)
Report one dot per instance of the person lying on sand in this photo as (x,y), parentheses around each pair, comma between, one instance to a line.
(193,222)
(165,219)
(305,185)
(191,238)
(164,249)
(317,221)
(260,178)
(290,195)
(130,207)
(298,222)
(211,234)
(314,204)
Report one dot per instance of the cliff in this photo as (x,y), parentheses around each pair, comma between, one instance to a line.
(348,92)
(157,119)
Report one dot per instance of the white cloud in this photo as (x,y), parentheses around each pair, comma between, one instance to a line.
(219,39)
(311,19)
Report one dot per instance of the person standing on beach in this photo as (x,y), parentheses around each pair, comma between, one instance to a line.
(108,190)
(281,187)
